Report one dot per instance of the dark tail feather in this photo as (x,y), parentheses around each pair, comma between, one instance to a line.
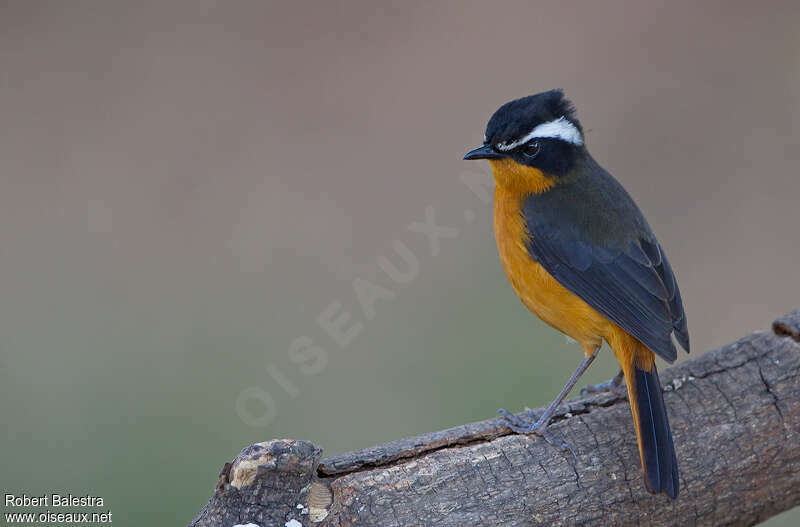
(655,438)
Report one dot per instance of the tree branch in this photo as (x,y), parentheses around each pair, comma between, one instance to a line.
(735,416)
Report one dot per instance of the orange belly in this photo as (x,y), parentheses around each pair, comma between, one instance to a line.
(537,289)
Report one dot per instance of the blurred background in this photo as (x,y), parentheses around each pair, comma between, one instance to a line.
(188,188)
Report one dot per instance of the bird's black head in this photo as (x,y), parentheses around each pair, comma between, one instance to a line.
(539,131)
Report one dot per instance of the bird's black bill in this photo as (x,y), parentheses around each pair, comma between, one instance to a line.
(483,152)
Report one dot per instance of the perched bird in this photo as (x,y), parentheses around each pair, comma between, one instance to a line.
(580,255)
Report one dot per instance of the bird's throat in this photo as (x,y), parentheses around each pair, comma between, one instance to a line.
(516,178)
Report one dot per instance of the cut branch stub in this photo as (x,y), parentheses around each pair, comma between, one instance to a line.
(788,325)
(267,484)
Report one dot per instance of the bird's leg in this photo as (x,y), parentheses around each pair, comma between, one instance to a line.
(613,385)
(538,426)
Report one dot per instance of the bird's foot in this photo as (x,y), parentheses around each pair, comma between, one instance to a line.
(535,427)
(615,385)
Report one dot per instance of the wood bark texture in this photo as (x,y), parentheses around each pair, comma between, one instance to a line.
(735,417)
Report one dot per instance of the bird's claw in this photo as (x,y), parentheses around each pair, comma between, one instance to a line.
(611,385)
(518,424)
(521,426)
(605,387)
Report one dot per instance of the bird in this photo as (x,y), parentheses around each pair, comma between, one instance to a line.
(581,256)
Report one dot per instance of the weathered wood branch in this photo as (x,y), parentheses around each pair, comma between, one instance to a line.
(735,416)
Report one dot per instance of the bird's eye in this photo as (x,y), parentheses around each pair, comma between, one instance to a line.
(531,149)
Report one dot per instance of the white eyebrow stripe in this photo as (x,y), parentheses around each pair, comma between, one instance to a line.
(561,128)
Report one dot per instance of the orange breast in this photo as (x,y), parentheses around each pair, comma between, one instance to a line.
(537,289)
